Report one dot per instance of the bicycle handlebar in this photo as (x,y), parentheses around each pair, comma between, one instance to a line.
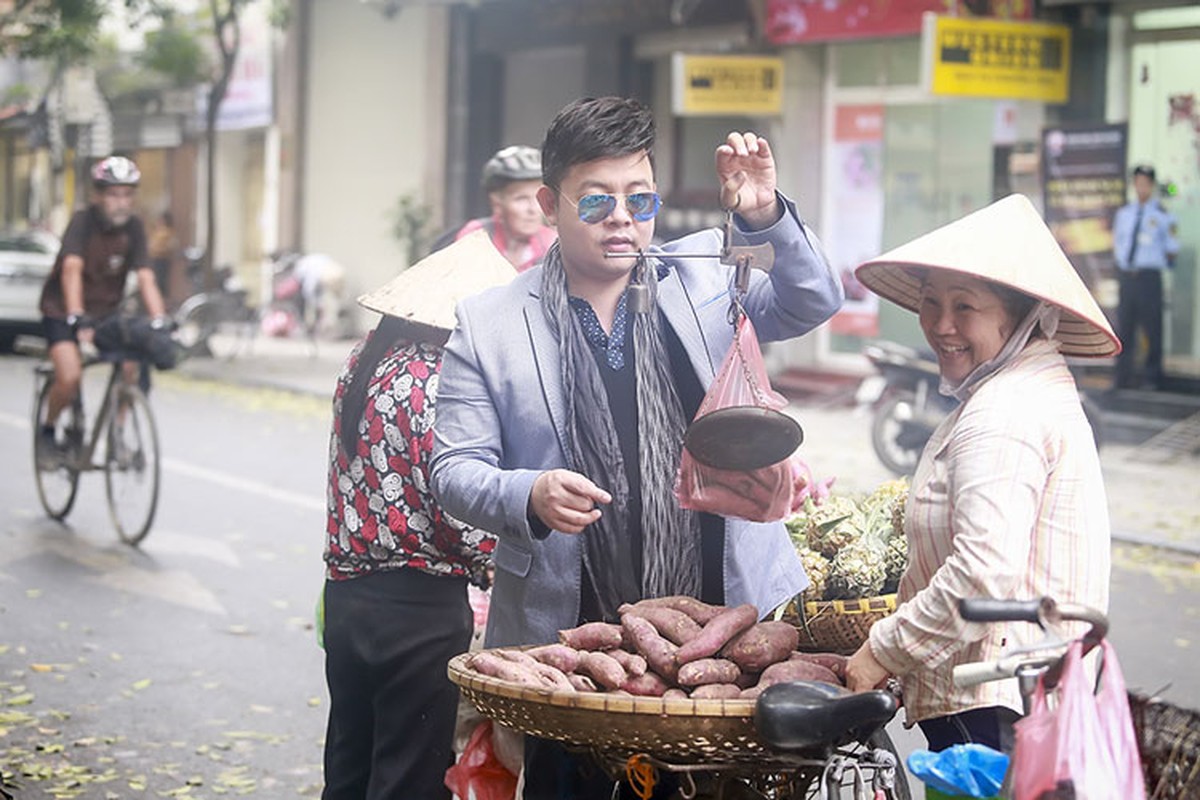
(989,609)
(1044,613)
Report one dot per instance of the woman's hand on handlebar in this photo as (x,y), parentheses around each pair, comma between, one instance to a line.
(864,672)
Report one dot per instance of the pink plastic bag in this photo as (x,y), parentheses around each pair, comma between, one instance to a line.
(1085,747)
(759,495)
(479,775)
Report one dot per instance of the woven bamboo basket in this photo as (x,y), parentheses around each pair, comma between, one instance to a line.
(675,731)
(836,626)
(1169,743)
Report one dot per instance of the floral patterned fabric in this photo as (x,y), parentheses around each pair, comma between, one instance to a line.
(381,514)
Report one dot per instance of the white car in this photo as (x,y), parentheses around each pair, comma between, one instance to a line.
(26,258)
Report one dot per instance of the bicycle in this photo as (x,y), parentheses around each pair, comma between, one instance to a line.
(125,424)
(217,322)
(819,739)
(1030,664)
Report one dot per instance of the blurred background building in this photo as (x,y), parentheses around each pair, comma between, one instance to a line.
(358,128)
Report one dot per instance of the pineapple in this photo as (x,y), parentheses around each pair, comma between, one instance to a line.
(858,570)
(895,559)
(898,517)
(816,566)
(832,525)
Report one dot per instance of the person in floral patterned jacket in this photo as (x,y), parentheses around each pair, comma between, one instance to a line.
(397,567)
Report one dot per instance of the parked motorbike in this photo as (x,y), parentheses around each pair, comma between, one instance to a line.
(905,402)
(907,407)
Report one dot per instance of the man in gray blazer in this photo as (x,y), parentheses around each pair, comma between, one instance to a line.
(509,453)
(562,402)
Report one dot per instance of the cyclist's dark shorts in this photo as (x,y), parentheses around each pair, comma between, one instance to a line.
(57,330)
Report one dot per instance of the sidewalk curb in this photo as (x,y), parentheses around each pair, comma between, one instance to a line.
(1128,537)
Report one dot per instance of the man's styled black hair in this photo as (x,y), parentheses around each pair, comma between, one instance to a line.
(593,128)
(1144,169)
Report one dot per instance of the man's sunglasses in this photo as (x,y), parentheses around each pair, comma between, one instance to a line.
(593,208)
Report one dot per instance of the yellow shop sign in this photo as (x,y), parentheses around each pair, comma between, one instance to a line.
(996,58)
(750,85)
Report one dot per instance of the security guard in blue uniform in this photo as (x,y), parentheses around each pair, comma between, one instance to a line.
(1144,246)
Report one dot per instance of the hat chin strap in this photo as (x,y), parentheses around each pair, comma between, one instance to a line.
(1043,316)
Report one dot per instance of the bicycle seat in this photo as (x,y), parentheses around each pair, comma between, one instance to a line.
(802,715)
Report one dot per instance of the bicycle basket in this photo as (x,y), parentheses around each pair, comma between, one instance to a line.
(1169,743)
(678,731)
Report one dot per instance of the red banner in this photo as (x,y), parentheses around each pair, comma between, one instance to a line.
(793,21)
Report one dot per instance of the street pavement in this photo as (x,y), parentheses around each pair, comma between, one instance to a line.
(1156,504)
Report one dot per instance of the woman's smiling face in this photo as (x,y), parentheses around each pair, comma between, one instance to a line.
(964,321)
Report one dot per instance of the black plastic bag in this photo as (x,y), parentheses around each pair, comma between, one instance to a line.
(137,337)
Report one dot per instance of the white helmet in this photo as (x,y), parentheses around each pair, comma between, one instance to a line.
(115,171)
(514,163)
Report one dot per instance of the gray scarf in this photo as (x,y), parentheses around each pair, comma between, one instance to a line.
(1042,316)
(670,534)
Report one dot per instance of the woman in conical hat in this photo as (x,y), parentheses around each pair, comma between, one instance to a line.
(397,568)
(1007,500)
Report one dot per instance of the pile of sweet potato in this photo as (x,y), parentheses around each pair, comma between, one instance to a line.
(667,647)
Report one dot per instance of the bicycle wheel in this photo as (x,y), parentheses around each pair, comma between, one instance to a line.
(57,484)
(131,465)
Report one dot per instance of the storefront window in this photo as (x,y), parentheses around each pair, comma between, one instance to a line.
(1164,130)
(878,62)
(935,165)
(696,139)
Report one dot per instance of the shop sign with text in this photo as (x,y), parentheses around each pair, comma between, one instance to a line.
(996,59)
(751,85)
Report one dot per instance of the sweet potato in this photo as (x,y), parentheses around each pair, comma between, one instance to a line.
(762,645)
(495,666)
(716,691)
(675,693)
(648,684)
(791,670)
(708,670)
(672,624)
(592,636)
(582,683)
(554,677)
(602,668)
(658,652)
(556,655)
(698,610)
(719,630)
(634,664)
(831,661)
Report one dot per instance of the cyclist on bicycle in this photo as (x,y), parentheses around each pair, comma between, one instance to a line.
(102,243)
(511,179)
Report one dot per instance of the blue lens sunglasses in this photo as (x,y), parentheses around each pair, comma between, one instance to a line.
(594,208)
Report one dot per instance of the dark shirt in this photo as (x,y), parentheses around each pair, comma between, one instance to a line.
(615,358)
(108,254)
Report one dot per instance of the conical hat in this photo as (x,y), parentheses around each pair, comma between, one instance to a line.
(426,293)
(1009,244)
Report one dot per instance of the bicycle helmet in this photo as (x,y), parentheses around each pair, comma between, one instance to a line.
(514,163)
(115,171)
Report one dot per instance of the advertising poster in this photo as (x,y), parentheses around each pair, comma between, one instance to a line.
(1083,184)
(857,220)
(796,21)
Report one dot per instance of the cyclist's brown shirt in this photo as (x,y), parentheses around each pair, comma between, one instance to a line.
(108,254)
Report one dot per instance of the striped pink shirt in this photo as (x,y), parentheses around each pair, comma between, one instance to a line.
(1007,501)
